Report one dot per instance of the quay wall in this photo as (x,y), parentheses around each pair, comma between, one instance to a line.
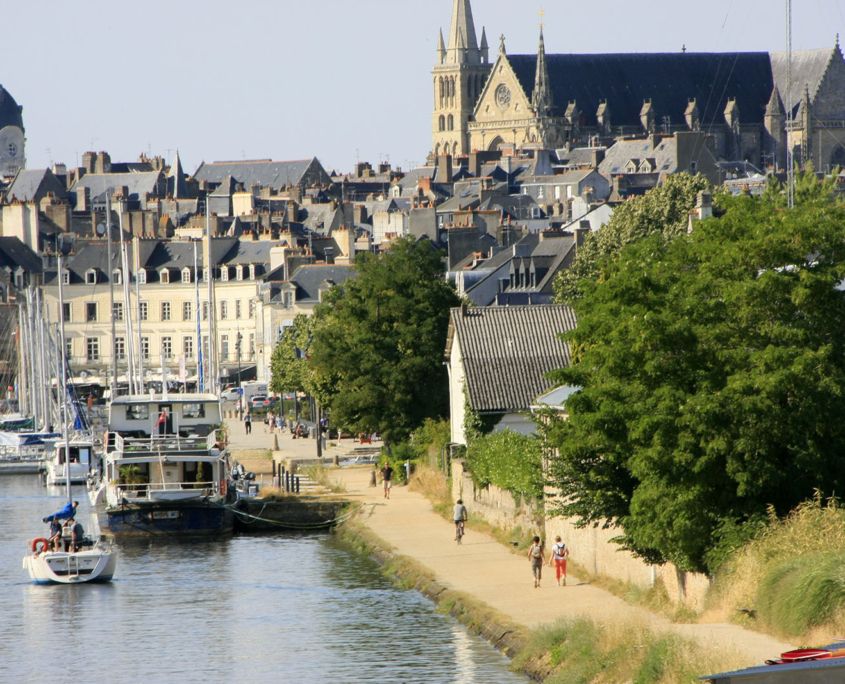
(294,513)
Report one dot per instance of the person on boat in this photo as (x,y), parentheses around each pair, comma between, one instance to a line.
(67,512)
(73,542)
(55,540)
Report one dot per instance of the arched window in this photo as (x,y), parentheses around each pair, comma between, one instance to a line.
(446,148)
(837,158)
(451,123)
(442,92)
(441,123)
(186,275)
(437,150)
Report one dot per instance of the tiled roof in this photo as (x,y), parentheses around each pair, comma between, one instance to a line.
(507,352)
(309,278)
(273,174)
(10,111)
(34,184)
(670,80)
(14,253)
(138,184)
(808,69)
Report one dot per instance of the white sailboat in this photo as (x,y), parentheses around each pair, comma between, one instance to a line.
(85,560)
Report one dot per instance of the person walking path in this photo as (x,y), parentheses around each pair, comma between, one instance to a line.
(488,571)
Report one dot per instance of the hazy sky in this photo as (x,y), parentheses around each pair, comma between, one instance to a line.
(339,80)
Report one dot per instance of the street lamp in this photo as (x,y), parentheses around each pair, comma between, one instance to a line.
(240,380)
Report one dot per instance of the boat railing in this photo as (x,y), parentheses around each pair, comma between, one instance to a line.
(132,492)
(21,453)
(165,443)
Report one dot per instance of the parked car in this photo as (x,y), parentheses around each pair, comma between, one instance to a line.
(231,394)
(260,402)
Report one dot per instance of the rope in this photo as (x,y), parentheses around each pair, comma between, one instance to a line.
(289,525)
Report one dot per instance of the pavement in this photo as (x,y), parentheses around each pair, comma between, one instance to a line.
(489,571)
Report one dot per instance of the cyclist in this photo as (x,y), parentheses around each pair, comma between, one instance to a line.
(459,515)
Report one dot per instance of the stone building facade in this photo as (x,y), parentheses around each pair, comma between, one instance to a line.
(12,140)
(546,101)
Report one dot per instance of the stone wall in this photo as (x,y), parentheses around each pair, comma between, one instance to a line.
(592,549)
(494,505)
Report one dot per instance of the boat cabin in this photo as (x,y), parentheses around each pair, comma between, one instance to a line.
(79,453)
(185,415)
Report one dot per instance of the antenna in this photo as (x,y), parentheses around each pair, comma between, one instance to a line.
(790,162)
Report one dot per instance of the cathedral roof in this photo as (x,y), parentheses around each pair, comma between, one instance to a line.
(808,70)
(670,80)
(10,111)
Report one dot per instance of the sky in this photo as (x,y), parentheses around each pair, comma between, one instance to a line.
(340,80)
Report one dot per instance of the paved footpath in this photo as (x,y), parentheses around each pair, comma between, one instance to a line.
(488,571)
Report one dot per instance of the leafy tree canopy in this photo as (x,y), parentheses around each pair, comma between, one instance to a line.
(379,348)
(289,371)
(664,210)
(712,370)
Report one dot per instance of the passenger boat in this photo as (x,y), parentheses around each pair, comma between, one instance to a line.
(165,470)
(59,469)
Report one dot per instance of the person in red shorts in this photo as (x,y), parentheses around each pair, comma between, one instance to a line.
(560,553)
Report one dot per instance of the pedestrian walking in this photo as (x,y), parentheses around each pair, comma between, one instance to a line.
(271,421)
(248,423)
(560,552)
(386,478)
(537,558)
(280,424)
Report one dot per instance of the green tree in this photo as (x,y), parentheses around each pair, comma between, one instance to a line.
(712,371)
(664,210)
(378,351)
(288,367)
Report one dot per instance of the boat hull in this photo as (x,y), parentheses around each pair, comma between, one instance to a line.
(180,519)
(57,567)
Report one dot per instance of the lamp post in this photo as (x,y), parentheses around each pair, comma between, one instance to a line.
(240,380)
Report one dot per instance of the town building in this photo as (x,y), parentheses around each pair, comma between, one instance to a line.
(12,137)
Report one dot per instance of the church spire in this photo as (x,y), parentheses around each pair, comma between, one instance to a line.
(485,48)
(441,49)
(775,106)
(542,98)
(463,44)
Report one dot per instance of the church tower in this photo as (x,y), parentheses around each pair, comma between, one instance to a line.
(459,77)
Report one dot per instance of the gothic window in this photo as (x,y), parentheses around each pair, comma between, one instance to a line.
(446,149)
(837,158)
(437,150)
(442,92)
(451,123)
(442,123)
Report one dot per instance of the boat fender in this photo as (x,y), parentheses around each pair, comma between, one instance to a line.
(223,487)
(44,545)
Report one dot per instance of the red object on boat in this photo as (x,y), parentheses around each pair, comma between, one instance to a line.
(804,654)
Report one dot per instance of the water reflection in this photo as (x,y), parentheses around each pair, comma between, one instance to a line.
(294,608)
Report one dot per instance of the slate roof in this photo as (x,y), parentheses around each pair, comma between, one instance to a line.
(139,184)
(34,184)
(808,69)
(670,80)
(309,278)
(273,174)
(507,351)
(10,111)
(14,253)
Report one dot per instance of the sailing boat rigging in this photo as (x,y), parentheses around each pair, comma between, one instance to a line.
(85,560)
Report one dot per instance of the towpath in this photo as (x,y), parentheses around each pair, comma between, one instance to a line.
(485,569)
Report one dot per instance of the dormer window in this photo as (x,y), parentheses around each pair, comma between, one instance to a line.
(142,276)
(239,272)
(186,275)
(252,271)
(224,274)
(205,275)
(65,277)
(91,276)
(117,277)
(164,276)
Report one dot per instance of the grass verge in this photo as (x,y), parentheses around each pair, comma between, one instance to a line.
(322,476)
(253,454)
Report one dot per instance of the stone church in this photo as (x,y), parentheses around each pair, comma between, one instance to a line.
(740,100)
(12,139)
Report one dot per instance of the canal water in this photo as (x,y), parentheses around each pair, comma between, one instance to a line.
(283,608)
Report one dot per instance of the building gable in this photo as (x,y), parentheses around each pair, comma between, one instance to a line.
(503,96)
(829,98)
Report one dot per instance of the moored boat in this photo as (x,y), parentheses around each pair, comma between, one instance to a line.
(165,470)
(94,562)
(59,469)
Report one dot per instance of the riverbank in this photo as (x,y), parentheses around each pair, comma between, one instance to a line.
(406,529)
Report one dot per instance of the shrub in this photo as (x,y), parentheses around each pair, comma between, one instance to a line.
(509,461)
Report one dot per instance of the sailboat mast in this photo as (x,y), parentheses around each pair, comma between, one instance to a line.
(34,402)
(200,377)
(64,410)
(790,161)
(111,296)
(212,312)
(127,307)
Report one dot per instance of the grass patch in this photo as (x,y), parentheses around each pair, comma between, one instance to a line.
(789,579)
(582,651)
(253,454)
(322,476)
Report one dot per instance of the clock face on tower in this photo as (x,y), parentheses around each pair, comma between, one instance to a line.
(503,97)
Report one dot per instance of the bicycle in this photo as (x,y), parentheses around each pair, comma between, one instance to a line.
(459,532)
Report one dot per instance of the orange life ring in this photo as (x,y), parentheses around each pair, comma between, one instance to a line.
(45,547)
(223,487)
